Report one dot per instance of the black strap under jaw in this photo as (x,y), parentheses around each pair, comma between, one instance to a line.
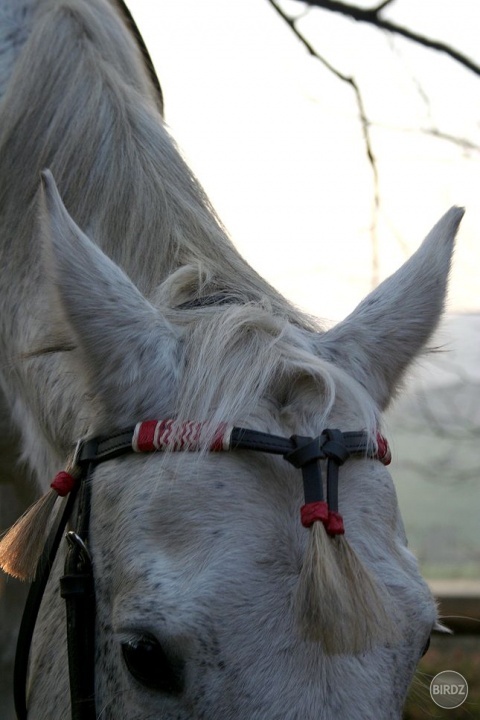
(77,589)
(32,607)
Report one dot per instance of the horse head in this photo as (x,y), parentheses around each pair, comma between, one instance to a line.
(207,604)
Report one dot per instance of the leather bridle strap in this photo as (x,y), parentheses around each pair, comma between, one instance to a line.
(32,607)
(77,589)
(77,585)
(107,448)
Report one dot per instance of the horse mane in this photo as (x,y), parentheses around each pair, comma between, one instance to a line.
(81,103)
(122,178)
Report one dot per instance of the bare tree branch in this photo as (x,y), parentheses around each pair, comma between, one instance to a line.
(433,131)
(461,142)
(365,124)
(373,17)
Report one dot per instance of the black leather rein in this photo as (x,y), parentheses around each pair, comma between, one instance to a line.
(77,589)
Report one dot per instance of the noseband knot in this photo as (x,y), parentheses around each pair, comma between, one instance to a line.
(331,445)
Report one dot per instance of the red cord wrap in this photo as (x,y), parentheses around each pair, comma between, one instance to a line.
(383,452)
(63,483)
(146,435)
(311,512)
(334,524)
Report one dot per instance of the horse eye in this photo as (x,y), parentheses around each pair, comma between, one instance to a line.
(149,665)
(425,649)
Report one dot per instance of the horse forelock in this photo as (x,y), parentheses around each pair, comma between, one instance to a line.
(242,359)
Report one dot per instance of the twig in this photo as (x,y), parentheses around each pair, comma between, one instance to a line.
(460,142)
(383,5)
(433,131)
(373,17)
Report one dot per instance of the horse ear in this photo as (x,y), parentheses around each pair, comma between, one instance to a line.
(124,341)
(384,334)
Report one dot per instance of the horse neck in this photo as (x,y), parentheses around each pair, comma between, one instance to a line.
(80,103)
(87,114)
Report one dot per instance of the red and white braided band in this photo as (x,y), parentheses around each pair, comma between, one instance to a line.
(171,435)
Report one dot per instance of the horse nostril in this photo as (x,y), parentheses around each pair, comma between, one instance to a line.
(148,663)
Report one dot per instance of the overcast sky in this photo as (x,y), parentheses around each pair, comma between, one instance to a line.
(276,142)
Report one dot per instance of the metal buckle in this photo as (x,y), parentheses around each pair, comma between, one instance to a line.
(74,540)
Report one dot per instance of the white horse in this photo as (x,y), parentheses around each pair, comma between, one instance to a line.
(209,602)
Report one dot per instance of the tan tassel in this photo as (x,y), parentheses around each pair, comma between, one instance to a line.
(366,622)
(346,609)
(22,545)
(321,589)
(338,603)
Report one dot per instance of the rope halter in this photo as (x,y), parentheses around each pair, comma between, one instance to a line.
(304,453)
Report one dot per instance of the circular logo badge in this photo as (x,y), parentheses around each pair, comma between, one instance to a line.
(448,689)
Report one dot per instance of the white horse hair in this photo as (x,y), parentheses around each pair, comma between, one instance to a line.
(204,552)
